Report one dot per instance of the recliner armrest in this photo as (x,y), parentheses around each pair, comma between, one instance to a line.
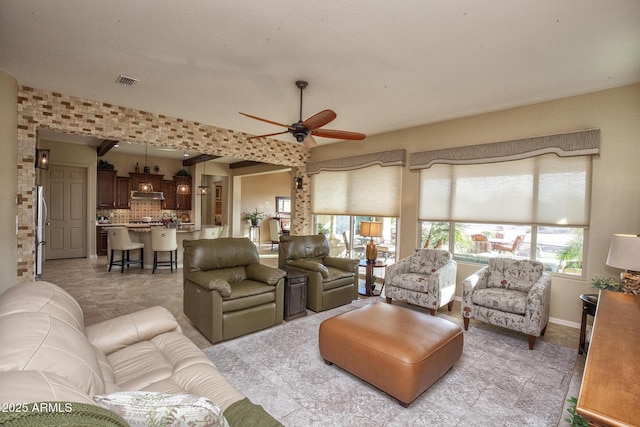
(209,281)
(341,263)
(310,266)
(123,331)
(265,274)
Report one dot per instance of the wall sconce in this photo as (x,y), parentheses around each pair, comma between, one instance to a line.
(299,183)
(42,159)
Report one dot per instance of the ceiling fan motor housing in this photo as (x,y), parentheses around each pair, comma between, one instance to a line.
(299,131)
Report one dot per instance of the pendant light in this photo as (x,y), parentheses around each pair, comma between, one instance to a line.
(183,188)
(204,190)
(145,187)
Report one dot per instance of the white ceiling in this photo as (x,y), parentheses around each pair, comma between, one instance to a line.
(381,65)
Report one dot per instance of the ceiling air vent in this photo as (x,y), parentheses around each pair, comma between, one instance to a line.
(126,81)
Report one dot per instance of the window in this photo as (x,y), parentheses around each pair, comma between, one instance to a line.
(344,240)
(525,198)
(558,248)
(283,206)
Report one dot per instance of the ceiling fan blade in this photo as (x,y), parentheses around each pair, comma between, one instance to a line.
(309,142)
(264,120)
(338,134)
(264,136)
(318,120)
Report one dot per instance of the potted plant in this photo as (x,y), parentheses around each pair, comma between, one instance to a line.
(103,165)
(183,172)
(254,217)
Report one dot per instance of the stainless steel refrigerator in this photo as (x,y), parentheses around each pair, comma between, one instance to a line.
(41,222)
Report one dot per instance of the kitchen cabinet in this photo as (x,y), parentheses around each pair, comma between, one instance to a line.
(106,189)
(183,201)
(137,178)
(123,192)
(169,191)
(102,240)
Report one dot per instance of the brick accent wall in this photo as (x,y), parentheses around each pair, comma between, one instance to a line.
(39,109)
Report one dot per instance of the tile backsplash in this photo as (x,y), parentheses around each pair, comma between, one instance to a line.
(139,209)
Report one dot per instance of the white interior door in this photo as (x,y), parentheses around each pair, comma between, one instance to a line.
(66,197)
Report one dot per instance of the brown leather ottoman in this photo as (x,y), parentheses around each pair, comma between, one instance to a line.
(400,351)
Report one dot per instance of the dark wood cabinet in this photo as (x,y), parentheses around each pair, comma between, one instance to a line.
(106,189)
(295,294)
(169,192)
(123,192)
(183,201)
(102,238)
(137,178)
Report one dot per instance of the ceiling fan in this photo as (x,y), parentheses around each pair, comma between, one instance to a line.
(304,131)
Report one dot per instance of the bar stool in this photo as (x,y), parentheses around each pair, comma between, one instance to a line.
(119,240)
(164,240)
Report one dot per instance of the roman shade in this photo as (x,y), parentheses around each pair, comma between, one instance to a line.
(541,187)
(367,185)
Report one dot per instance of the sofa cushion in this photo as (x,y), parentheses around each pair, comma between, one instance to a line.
(507,300)
(42,297)
(509,273)
(139,365)
(143,408)
(38,386)
(39,342)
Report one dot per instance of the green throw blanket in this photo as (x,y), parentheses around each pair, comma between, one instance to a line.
(58,414)
(243,413)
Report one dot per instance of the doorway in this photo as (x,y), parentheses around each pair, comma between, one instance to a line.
(65,192)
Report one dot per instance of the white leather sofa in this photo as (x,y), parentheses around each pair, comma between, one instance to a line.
(47,354)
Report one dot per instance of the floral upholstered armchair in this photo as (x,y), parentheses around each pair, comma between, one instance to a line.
(511,293)
(426,278)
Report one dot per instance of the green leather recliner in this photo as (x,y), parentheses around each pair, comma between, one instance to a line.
(331,281)
(227,292)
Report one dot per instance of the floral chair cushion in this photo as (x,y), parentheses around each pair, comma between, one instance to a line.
(428,261)
(506,300)
(514,274)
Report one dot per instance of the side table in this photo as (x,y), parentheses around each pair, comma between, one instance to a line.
(589,304)
(369,266)
(254,234)
(295,294)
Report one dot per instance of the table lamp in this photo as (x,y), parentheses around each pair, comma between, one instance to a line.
(371,229)
(624,253)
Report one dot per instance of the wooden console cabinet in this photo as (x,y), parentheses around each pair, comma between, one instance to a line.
(610,388)
(295,294)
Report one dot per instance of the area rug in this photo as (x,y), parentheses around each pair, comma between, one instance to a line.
(498,381)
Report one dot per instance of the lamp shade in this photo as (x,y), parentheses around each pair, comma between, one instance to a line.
(371,229)
(624,252)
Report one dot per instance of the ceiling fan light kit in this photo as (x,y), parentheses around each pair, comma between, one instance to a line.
(305,130)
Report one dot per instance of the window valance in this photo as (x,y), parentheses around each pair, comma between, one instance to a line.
(382,158)
(569,144)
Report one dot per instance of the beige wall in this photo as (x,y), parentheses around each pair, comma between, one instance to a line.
(260,191)
(8,191)
(616,175)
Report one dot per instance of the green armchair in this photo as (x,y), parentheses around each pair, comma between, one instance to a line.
(227,292)
(331,281)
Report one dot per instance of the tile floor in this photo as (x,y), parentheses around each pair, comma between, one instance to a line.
(103,295)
